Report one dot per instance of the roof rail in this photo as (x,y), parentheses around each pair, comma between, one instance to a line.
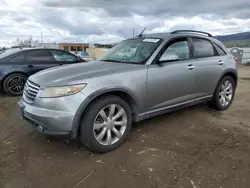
(191,31)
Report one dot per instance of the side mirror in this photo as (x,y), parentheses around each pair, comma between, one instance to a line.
(79,59)
(169,56)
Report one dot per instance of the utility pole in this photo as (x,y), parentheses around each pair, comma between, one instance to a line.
(133,32)
(41,37)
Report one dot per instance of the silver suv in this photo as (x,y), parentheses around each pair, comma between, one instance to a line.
(137,79)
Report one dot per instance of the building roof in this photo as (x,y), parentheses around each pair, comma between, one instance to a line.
(65,43)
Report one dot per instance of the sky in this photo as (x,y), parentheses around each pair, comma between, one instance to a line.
(110,21)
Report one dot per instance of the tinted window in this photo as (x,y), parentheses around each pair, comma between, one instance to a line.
(17,58)
(63,56)
(180,48)
(219,50)
(202,48)
(38,55)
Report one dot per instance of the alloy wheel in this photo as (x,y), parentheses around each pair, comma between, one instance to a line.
(110,124)
(226,93)
(16,85)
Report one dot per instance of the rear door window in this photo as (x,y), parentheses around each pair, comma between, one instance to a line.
(39,56)
(202,48)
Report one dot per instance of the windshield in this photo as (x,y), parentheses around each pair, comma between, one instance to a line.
(132,51)
(85,54)
(9,52)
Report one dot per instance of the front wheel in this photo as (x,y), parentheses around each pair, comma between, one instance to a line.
(224,94)
(106,124)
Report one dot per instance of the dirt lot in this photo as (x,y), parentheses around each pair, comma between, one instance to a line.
(192,148)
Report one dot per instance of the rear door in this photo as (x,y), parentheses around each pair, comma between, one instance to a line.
(209,65)
(37,60)
(62,57)
(14,63)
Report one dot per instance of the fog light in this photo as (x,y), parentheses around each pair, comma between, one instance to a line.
(39,128)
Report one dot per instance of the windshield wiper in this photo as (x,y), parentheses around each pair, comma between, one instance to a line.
(116,61)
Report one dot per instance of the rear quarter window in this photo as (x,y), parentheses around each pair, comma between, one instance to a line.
(219,50)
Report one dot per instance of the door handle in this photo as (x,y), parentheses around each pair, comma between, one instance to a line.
(190,67)
(220,62)
(30,66)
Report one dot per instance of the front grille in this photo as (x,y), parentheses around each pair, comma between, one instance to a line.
(30,91)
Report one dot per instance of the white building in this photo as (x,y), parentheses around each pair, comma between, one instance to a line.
(49,45)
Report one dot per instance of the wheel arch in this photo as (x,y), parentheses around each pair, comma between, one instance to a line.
(10,73)
(232,73)
(229,72)
(122,93)
(214,103)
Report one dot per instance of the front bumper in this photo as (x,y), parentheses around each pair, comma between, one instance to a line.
(52,117)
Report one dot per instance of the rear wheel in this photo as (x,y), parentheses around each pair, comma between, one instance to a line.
(106,124)
(14,84)
(224,94)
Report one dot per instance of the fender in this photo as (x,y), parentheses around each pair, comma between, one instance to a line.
(88,100)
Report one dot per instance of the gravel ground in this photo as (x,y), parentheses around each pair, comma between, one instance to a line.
(192,148)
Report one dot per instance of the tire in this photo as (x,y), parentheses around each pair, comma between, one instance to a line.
(217,101)
(15,80)
(89,136)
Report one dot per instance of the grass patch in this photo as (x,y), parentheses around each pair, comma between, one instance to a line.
(237,43)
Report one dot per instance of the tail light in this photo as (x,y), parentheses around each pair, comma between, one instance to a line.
(236,59)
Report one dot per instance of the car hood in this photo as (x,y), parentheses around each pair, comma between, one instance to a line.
(78,73)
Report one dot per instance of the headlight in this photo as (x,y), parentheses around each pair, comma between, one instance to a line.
(61,91)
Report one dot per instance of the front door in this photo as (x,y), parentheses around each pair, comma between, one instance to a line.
(37,60)
(173,83)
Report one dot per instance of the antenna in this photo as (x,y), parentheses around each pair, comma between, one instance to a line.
(140,35)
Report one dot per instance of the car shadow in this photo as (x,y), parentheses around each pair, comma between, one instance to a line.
(204,107)
(145,125)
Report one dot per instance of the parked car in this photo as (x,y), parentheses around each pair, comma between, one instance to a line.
(85,56)
(17,64)
(98,101)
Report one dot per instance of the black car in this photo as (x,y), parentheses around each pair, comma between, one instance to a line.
(16,65)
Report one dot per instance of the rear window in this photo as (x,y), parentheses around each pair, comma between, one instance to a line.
(9,52)
(17,58)
(202,48)
(38,55)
